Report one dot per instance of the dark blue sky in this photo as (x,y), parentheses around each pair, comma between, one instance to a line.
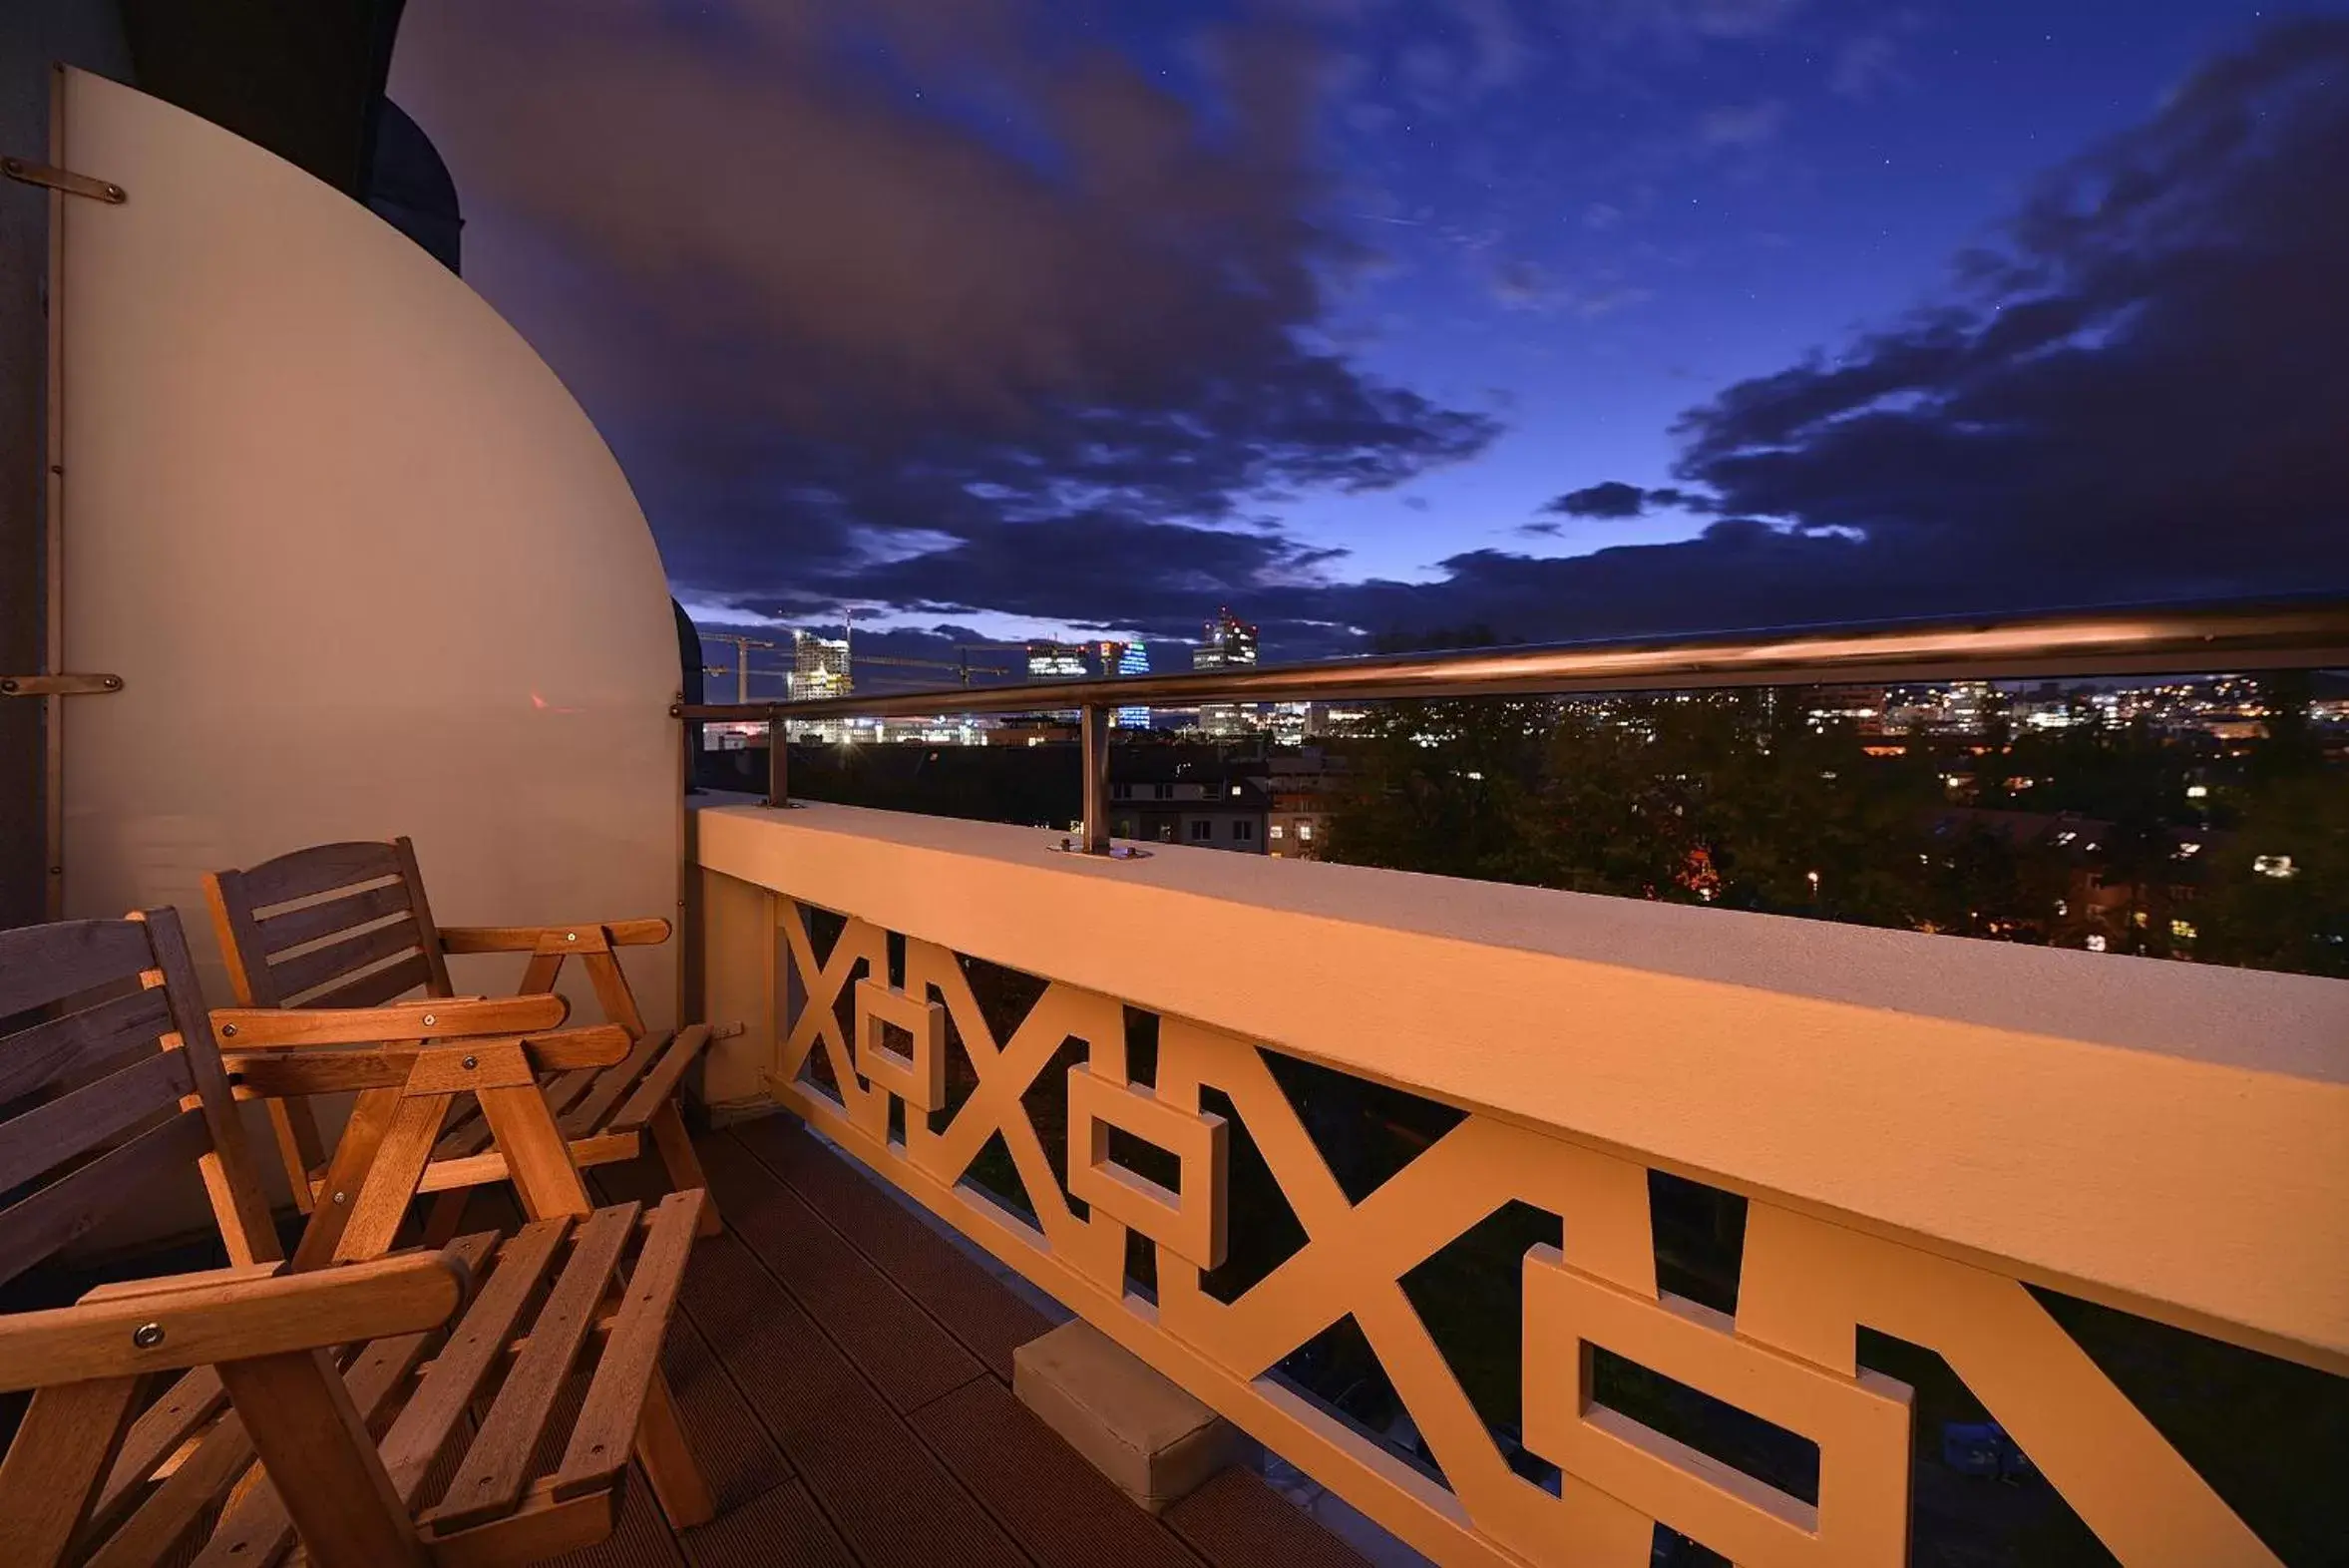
(1370,315)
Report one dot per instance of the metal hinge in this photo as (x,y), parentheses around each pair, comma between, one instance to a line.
(59,685)
(65,179)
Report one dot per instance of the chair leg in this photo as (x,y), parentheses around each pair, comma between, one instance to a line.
(51,1473)
(669,1459)
(445,1215)
(299,1416)
(537,1158)
(676,1146)
(370,1118)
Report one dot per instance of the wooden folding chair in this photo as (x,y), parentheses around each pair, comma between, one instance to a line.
(348,925)
(110,1078)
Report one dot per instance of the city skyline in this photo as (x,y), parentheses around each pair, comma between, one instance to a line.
(1565,317)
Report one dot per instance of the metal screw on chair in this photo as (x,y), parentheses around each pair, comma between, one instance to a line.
(471,1062)
(147,1336)
(342,1197)
(228,1029)
(570,936)
(430,1020)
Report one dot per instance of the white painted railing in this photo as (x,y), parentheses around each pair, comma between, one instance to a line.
(1921,1126)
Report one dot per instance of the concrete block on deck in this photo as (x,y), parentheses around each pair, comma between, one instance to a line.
(1152,1440)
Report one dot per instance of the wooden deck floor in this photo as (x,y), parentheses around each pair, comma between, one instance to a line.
(845,1374)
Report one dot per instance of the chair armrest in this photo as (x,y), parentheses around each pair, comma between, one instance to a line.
(433,1017)
(283,1073)
(125,1289)
(207,1324)
(526,939)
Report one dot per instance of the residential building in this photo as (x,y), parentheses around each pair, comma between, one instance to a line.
(1189,795)
(1303,783)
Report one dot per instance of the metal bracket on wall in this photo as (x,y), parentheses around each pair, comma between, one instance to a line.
(65,179)
(59,685)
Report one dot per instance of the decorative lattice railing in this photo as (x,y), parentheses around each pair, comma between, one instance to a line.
(1122,1158)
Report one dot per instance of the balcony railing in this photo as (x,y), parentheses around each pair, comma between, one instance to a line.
(2159,640)
(1132,1084)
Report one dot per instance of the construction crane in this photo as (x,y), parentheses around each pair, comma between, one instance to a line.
(962,666)
(742,647)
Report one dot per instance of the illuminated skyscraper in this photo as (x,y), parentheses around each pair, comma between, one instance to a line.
(1133,659)
(1228,643)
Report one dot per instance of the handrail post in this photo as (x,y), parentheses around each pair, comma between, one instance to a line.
(778,761)
(1094,735)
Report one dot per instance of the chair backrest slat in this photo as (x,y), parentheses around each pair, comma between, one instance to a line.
(64,1211)
(312,928)
(378,986)
(69,1046)
(318,968)
(39,965)
(91,1099)
(73,1125)
(309,922)
(322,868)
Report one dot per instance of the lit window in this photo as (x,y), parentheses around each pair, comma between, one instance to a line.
(1202,828)
(2197,791)
(2275,866)
(1305,831)
(2066,838)
(1234,789)
(2139,916)
(2187,851)
(2096,943)
(2183,929)
(1278,831)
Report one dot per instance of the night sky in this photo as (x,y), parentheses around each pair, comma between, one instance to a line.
(1565,317)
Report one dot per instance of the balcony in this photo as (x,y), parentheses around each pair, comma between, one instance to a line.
(2000,1175)
(1521,1227)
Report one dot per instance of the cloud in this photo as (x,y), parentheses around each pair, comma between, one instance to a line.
(830,270)
(1866,66)
(851,350)
(2141,393)
(1610,499)
(1615,498)
(1742,125)
(1676,23)
(1601,216)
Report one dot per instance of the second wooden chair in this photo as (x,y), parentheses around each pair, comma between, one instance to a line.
(348,925)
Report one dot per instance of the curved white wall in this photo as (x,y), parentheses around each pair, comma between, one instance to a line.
(365,567)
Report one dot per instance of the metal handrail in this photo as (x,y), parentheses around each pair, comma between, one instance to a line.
(2292,633)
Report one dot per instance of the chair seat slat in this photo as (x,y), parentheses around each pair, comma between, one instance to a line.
(488,1483)
(157,1433)
(602,1439)
(257,1528)
(592,1109)
(660,1084)
(475,1347)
